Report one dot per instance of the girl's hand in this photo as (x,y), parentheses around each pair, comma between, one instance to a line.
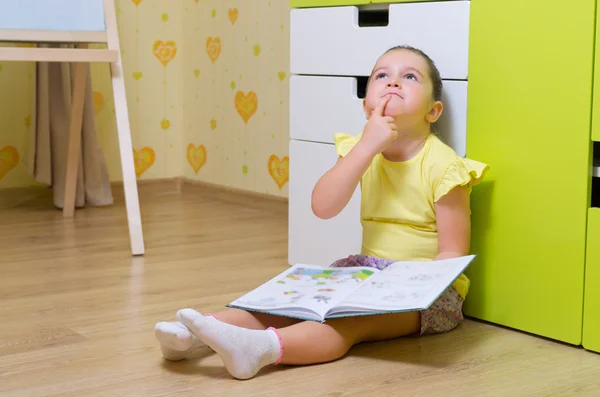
(380,130)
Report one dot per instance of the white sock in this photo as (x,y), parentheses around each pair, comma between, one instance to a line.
(176,341)
(243,351)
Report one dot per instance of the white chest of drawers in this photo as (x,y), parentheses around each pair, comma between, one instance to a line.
(330,57)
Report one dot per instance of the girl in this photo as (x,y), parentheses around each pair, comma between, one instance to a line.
(415,206)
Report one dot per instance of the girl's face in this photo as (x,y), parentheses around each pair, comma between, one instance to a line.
(404,76)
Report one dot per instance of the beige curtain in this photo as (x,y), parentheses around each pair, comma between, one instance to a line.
(47,161)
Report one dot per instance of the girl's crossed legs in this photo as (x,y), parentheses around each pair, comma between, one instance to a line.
(249,341)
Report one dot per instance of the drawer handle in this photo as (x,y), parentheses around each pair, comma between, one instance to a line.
(595,199)
(369,16)
(361,86)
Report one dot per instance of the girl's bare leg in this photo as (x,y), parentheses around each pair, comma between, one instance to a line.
(177,342)
(244,352)
(311,343)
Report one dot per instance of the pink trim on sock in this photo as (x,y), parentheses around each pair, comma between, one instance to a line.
(211,315)
(280,345)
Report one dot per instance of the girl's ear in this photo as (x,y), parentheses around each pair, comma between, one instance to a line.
(435,112)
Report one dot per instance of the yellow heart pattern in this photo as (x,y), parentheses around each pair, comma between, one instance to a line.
(164,52)
(144,159)
(9,158)
(279,169)
(281,75)
(136,2)
(98,102)
(213,48)
(137,75)
(196,72)
(196,156)
(233,15)
(246,105)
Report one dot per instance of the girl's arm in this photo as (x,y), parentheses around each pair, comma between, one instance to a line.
(453,212)
(334,189)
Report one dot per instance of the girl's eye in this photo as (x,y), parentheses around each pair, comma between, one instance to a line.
(380,75)
(410,75)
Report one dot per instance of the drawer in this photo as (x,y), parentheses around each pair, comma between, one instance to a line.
(591,315)
(328,3)
(321,106)
(313,240)
(329,40)
(325,3)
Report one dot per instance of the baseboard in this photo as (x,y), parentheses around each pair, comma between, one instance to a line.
(186,182)
(167,183)
(11,196)
(179,184)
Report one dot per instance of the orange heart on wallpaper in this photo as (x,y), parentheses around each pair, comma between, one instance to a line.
(144,158)
(9,158)
(279,169)
(233,14)
(98,102)
(137,75)
(164,52)
(213,48)
(196,156)
(136,2)
(246,105)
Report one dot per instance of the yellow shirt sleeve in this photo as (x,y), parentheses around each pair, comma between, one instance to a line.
(461,172)
(344,143)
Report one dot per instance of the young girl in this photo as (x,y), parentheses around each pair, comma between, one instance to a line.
(415,206)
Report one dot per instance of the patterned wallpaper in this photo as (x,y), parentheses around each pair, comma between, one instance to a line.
(15,108)
(207,93)
(235,97)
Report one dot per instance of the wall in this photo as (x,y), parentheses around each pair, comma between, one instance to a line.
(236,93)
(151,39)
(150,34)
(207,87)
(16,80)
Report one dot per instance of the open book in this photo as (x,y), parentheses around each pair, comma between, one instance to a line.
(318,293)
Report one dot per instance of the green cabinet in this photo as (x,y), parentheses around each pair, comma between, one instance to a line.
(533,128)
(591,313)
(591,304)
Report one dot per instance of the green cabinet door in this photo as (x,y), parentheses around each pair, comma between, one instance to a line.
(326,3)
(533,129)
(591,313)
(596,94)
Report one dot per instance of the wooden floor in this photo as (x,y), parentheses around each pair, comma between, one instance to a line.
(78,312)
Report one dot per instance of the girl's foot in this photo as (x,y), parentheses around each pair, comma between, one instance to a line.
(176,341)
(243,351)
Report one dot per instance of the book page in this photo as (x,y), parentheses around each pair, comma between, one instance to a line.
(311,287)
(406,285)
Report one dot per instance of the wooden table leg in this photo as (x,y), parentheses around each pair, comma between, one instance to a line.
(75,138)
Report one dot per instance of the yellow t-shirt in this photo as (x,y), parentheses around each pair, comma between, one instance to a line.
(397,205)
